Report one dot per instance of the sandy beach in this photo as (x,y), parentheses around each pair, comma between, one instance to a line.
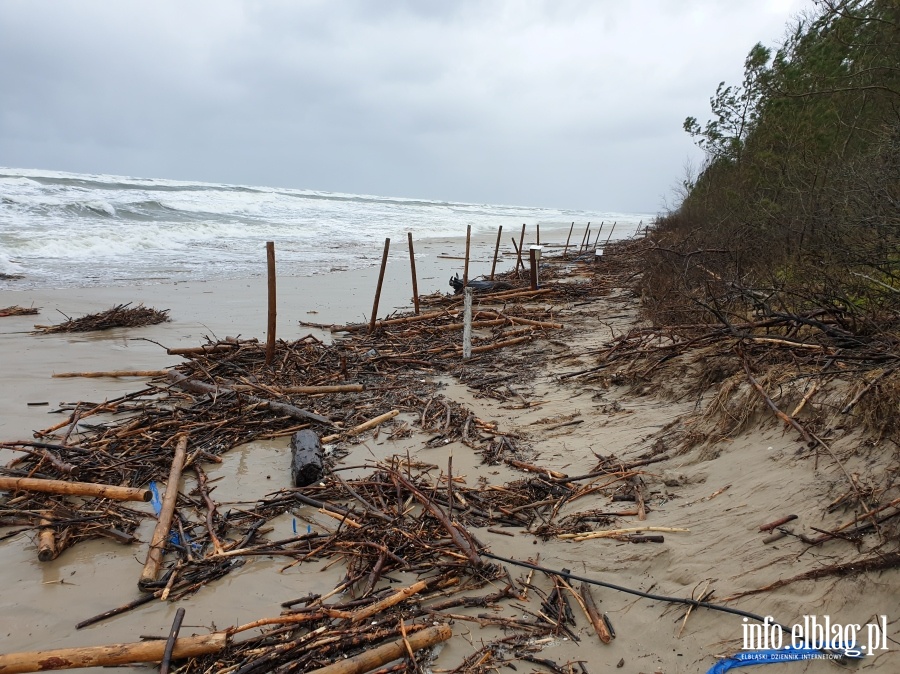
(720,494)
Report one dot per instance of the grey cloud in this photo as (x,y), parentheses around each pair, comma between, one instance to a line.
(563,103)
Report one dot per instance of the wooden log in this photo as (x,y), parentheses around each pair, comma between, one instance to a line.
(113,373)
(307,458)
(614,533)
(511,294)
(537,324)
(536,469)
(46,541)
(74,488)
(200,350)
(384,259)
(777,523)
(597,621)
(270,331)
(363,427)
(110,655)
(164,523)
(475,325)
(379,606)
(412,266)
(195,386)
(376,657)
(304,390)
(390,322)
(497,345)
(496,251)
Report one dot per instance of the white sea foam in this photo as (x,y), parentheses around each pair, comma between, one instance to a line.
(54,225)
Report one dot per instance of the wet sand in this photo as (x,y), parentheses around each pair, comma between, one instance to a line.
(722,496)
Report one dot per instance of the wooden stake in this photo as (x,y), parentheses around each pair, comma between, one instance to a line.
(518,254)
(521,244)
(584,238)
(412,266)
(384,259)
(533,269)
(568,238)
(538,242)
(467,324)
(111,655)
(74,488)
(164,523)
(270,333)
(611,232)
(496,251)
(376,657)
(466,265)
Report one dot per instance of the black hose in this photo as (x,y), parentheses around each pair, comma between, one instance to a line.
(639,593)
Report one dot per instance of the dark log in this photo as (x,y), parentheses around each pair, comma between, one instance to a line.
(307,459)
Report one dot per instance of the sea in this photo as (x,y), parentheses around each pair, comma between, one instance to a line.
(63,230)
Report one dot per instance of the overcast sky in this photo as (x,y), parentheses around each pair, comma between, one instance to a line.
(571,104)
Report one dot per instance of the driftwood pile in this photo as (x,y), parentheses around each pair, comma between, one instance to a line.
(120,316)
(16,310)
(400,522)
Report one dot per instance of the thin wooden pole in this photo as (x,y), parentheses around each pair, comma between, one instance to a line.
(466,266)
(534,270)
(611,232)
(518,254)
(270,334)
(586,242)
(170,642)
(584,238)
(598,237)
(467,324)
(538,225)
(521,244)
(568,238)
(384,258)
(166,514)
(496,250)
(412,266)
